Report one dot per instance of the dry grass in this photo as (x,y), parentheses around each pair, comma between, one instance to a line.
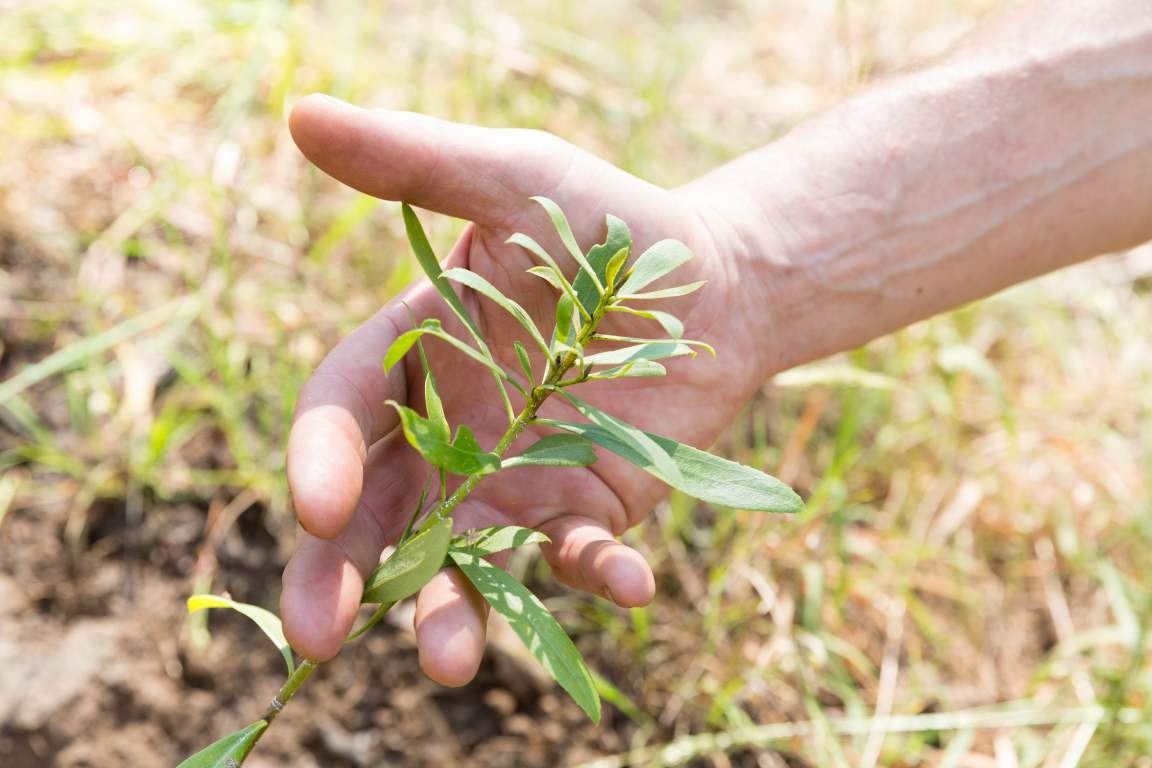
(978,528)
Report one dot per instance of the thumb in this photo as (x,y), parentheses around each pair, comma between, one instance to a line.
(481,174)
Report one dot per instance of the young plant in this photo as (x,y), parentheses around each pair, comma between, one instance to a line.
(576,351)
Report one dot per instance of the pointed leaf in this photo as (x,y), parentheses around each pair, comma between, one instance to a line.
(654,263)
(228,752)
(665,293)
(489,291)
(616,239)
(641,445)
(469,458)
(701,475)
(525,362)
(614,266)
(560,222)
(268,622)
(483,542)
(403,343)
(654,351)
(411,566)
(637,369)
(535,626)
(563,334)
(641,340)
(555,451)
(550,276)
(670,323)
(435,406)
(461,456)
(431,266)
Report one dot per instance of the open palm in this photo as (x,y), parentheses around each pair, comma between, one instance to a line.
(355,480)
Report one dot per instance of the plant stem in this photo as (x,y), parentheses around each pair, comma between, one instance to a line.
(288,690)
(536,397)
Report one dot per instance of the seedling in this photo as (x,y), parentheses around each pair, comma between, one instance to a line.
(577,351)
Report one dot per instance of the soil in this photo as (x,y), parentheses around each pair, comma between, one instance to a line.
(96,668)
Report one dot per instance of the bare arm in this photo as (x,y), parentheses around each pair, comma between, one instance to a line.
(1028,150)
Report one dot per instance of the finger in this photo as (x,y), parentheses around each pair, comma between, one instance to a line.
(584,554)
(340,413)
(322,587)
(480,174)
(451,615)
(324,580)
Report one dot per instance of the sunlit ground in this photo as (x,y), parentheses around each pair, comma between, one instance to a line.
(978,527)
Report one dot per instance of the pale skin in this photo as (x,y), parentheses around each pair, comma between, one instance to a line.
(1027,150)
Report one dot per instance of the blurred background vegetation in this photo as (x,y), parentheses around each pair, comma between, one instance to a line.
(969,585)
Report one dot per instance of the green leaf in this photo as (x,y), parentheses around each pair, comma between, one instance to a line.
(555,451)
(641,340)
(431,266)
(489,291)
(268,622)
(228,752)
(535,626)
(434,405)
(564,333)
(700,475)
(664,293)
(614,265)
(525,362)
(637,369)
(654,263)
(560,222)
(483,542)
(403,343)
(407,340)
(641,445)
(657,350)
(411,566)
(461,456)
(550,276)
(670,323)
(599,257)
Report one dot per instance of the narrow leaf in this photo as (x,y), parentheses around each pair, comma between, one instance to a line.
(489,291)
(641,340)
(548,275)
(617,238)
(654,263)
(535,626)
(564,333)
(700,475)
(228,752)
(555,451)
(654,351)
(434,405)
(640,443)
(665,293)
(431,266)
(637,369)
(483,542)
(525,362)
(614,266)
(560,222)
(268,622)
(411,566)
(403,343)
(670,323)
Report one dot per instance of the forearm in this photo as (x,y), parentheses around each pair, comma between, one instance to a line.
(1029,150)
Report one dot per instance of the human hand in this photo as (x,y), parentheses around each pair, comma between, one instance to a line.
(353,477)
